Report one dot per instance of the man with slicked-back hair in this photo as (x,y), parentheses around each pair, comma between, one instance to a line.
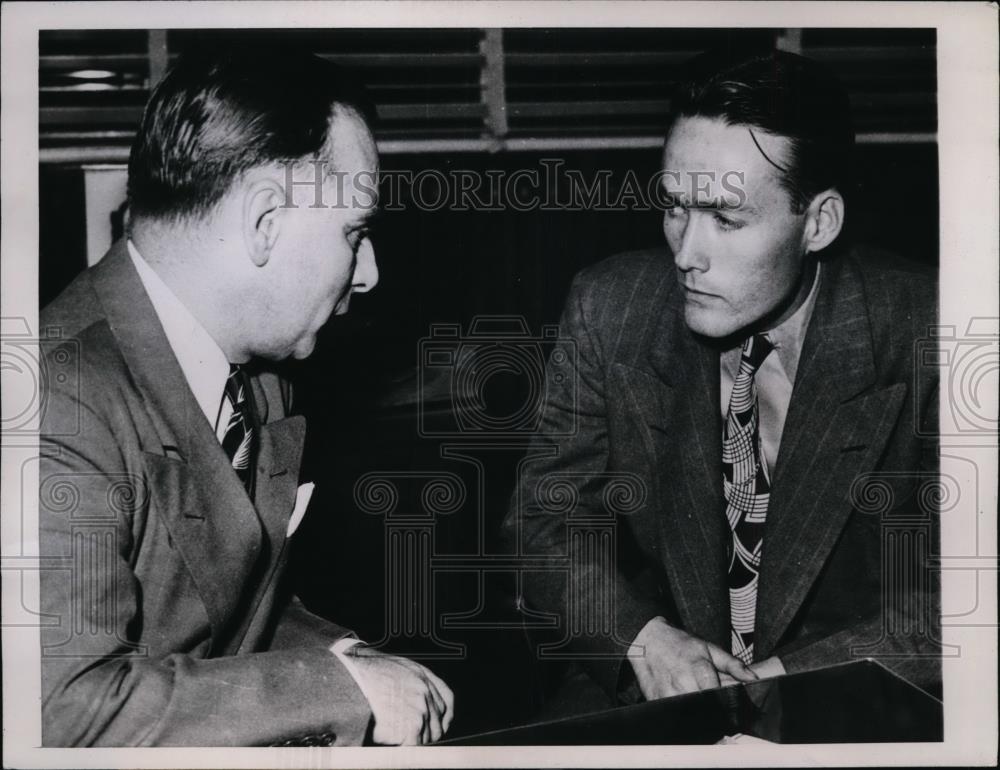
(170,459)
(757,382)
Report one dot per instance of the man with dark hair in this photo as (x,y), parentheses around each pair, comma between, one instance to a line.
(750,381)
(170,463)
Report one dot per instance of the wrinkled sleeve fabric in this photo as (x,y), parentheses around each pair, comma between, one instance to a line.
(563,477)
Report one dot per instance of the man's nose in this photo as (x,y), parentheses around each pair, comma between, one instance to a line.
(691,254)
(365,270)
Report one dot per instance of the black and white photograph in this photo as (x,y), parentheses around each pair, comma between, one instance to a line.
(499,384)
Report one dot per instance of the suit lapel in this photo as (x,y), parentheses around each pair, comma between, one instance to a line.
(201,501)
(836,428)
(143,345)
(277,481)
(211,521)
(278,460)
(687,436)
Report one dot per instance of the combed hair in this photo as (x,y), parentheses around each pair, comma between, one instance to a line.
(224,110)
(785,95)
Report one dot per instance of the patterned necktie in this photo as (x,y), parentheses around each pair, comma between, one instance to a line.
(239,441)
(746,487)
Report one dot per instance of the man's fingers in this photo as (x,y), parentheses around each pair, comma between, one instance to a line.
(433,719)
(729,664)
(408,707)
(432,704)
(435,699)
(705,675)
(700,675)
(725,680)
(443,691)
(444,698)
(423,729)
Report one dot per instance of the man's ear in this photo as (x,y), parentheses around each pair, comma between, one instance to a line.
(824,220)
(262,214)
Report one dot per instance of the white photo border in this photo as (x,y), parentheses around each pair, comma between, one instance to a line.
(970,275)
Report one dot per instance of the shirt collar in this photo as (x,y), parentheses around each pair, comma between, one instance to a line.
(789,335)
(787,338)
(202,361)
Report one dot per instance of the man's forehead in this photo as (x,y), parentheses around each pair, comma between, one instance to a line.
(707,137)
(353,163)
(705,159)
(350,141)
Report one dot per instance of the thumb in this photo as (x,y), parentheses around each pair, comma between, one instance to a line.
(728,664)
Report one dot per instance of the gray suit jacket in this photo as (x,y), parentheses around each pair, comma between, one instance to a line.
(642,407)
(165,617)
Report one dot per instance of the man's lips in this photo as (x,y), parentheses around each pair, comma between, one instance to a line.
(697,292)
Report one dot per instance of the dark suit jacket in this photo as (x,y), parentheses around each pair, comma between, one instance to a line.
(166,621)
(642,406)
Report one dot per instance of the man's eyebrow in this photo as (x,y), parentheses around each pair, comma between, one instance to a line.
(370,215)
(726,202)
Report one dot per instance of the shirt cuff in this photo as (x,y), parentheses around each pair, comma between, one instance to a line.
(340,648)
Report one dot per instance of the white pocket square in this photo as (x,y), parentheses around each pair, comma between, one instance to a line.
(302,497)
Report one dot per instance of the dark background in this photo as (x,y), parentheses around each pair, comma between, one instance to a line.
(360,390)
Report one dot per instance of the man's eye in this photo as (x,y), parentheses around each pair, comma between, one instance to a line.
(725,223)
(357,238)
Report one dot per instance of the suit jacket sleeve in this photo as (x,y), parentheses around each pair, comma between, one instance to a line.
(296,626)
(105,681)
(565,476)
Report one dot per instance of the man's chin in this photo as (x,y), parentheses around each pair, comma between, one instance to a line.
(304,348)
(708,324)
(299,354)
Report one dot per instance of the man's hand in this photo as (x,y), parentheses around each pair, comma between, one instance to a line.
(764,669)
(411,705)
(675,662)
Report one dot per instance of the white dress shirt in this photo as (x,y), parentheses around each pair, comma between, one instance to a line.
(202,361)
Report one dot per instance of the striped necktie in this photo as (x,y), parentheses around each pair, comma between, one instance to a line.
(747,487)
(239,440)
